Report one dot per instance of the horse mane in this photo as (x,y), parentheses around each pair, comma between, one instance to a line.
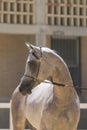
(45,49)
(56,53)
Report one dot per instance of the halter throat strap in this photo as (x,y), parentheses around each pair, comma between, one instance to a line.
(39,80)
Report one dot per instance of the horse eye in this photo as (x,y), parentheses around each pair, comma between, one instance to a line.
(31,63)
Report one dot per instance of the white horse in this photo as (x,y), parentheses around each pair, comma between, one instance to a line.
(45,95)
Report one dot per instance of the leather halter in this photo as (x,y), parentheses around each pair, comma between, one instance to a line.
(52,82)
(39,80)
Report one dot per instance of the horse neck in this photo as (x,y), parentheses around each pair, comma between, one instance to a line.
(64,96)
(62,75)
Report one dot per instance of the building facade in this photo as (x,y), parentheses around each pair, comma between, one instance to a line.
(58,24)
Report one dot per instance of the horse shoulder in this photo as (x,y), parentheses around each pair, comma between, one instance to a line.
(18,103)
(18,110)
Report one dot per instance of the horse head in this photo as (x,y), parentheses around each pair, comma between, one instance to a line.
(43,64)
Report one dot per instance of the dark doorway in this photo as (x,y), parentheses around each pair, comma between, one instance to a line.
(69,50)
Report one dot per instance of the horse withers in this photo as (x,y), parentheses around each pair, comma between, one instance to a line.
(45,95)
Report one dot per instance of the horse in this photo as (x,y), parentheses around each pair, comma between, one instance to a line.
(45,96)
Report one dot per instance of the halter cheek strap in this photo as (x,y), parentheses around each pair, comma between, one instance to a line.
(39,81)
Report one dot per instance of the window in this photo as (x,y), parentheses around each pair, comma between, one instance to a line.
(62,10)
(74,11)
(17,12)
(49,20)
(31,8)
(56,10)
(5,18)
(75,1)
(5,6)
(81,11)
(55,21)
(68,10)
(11,18)
(68,21)
(18,7)
(12,7)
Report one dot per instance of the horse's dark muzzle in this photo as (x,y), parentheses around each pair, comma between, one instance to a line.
(24,92)
(26,86)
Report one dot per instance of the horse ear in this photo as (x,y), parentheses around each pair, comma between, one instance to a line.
(29,45)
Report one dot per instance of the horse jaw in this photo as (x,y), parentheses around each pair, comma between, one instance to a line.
(26,85)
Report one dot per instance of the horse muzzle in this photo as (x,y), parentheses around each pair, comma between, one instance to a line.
(26,86)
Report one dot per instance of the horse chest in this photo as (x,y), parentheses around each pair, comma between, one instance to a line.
(37,102)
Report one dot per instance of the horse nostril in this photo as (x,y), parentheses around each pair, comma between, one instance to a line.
(20,89)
